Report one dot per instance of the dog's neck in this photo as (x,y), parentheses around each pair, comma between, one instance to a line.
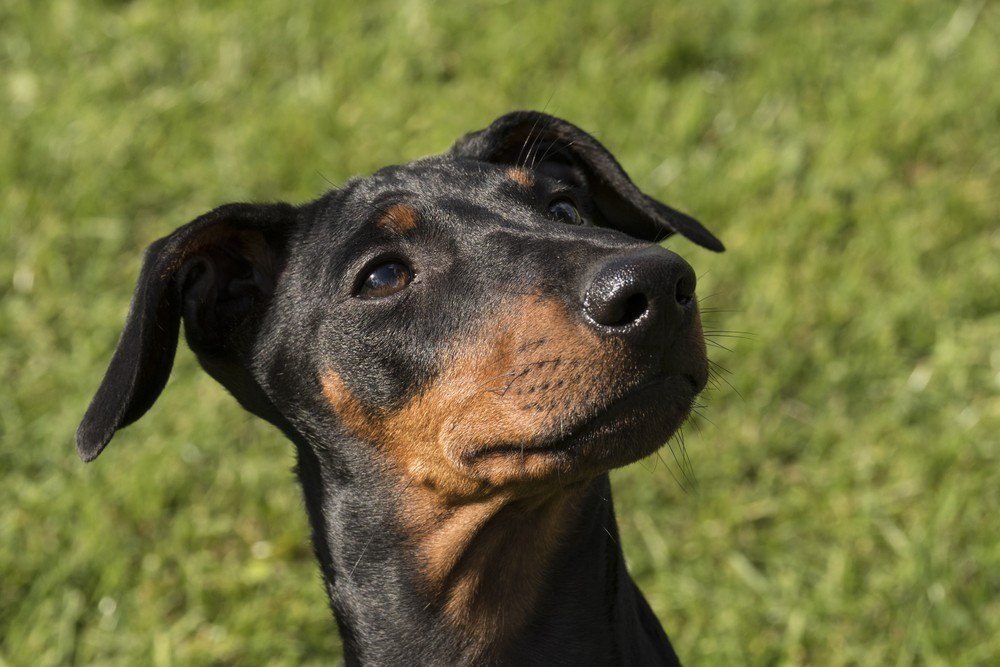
(487,582)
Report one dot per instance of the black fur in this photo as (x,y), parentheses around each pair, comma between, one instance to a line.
(268,294)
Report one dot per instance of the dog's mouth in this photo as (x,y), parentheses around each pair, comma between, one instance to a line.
(628,428)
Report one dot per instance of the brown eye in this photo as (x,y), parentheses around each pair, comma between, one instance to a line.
(566,211)
(385,279)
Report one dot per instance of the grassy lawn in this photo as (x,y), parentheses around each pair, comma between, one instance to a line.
(847,503)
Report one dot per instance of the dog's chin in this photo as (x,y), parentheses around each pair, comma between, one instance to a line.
(631,428)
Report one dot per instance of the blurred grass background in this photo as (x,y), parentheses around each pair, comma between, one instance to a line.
(848,153)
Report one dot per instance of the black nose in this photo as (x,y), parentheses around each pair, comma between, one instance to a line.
(643,290)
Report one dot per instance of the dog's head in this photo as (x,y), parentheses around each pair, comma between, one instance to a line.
(494,317)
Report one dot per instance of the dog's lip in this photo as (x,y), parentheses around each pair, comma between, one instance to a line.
(590,427)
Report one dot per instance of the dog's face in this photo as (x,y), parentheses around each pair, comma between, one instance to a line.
(491,319)
(459,336)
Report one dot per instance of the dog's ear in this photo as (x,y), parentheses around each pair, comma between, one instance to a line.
(539,141)
(214,272)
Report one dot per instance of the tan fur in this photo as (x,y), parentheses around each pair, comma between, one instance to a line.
(523,383)
(521,176)
(400,218)
(484,530)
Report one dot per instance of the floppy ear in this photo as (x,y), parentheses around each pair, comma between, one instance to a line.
(539,141)
(214,271)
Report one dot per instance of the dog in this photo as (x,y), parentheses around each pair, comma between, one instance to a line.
(460,348)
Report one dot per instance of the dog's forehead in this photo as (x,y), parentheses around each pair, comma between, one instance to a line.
(466,201)
(433,179)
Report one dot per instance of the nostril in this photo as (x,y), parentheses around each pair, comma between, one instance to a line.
(649,290)
(635,306)
(617,310)
(684,292)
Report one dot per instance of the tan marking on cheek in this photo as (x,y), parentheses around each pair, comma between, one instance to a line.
(521,176)
(524,378)
(531,375)
(483,537)
(537,365)
(400,218)
(409,438)
(350,411)
(481,563)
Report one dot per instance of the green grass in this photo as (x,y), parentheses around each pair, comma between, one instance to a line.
(848,153)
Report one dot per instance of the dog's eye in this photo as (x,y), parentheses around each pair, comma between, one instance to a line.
(566,211)
(385,279)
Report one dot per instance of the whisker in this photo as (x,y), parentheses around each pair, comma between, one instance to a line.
(717,367)
(533,153)
(333,185)
(715,343)
(701,416)
(528,160)
(713,335)
(688,465)
(527,138)
(555,146)
(726,380)
(645,466)
(706,297)
(680,467)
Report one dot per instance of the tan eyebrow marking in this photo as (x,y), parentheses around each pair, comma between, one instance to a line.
(521,176)
(400,218)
